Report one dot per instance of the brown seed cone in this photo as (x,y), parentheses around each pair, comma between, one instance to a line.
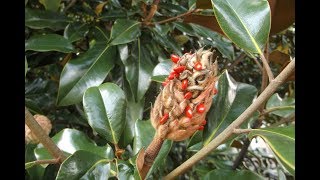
(168,115)
(171,99)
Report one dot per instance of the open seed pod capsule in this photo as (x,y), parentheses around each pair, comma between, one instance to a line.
(180,108)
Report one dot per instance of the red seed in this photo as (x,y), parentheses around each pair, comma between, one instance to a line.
(172,75)
(204,122)
(184,84)
(188,95)
(200,128)
(201,108)
(188,112)
(198,66)
(174,58)
(214,91)
(179,69)
(164,118)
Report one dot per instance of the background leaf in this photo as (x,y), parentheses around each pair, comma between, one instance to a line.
(89,69)
(225,174)
(125,170)
(38,19)
(77,165)
(232,99)
(281,140)
(71,140)
(124,31)
(286,106)
(246,23)
(100,170)
(138,70)
(144,135)
(52,5)
(49,42)
(105,107)
(75,31)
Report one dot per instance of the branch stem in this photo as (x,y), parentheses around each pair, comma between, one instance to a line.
(44,139)
(224,135)
(176,17)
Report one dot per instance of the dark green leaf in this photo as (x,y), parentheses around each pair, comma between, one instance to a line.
(51,171)
(163,30)
(71,140)
(246,23)
(159,79)
(89,69)
(281,140)
(39,19)
(49,42)
(184,27)
(174,8)
(52,5)
(144,133)
(232,99)
(77,165)
(29,164)
(100,170)
(217,40)
(124,31)
(35,172)
(105,107)
(166,41)
(125,170)
(75,31)
(138,69)
(195,142)
(225,174)
(285,106)
(112,15)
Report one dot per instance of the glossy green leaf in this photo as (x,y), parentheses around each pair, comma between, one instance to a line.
(39,19)
(144,133)
(216,40)
(138,70)
(105,107)
(166,41)
(163,68)
(52,5)
(100,170)
(29,164)
(225,174)
(49,42)
(285,107)
(174,8)
(87,70)
(125,170)
(281,140)
(195,143)
(185,27)
(124,31)
(232,99)
(75,31)
(34,172)
(77,165)
(71,140)
(159,79)
(246,23)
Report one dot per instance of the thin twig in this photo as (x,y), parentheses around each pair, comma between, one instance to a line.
(72,2)
(265,62)
(241,131)
(237,61)
(44,139)
(176,17)
(224,135)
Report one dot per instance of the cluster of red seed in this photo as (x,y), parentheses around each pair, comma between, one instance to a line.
(184,84)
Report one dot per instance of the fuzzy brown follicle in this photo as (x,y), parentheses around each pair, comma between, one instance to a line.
(174,114)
